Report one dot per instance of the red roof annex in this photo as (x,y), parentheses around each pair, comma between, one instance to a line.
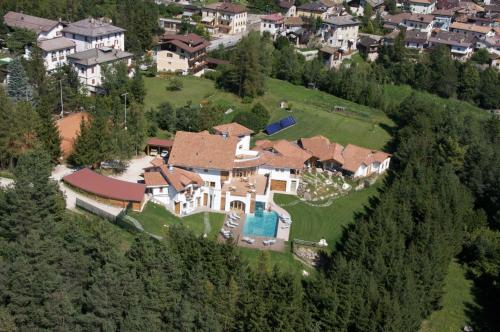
(106,187)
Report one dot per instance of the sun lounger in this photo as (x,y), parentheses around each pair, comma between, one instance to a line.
(248,240)
(285,226)
(230,225)
(234,215)
(269,242)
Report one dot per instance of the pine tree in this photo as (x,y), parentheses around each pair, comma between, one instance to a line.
(18,87)
(47,131)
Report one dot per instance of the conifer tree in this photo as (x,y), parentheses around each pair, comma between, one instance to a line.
(18,87)
(47,131)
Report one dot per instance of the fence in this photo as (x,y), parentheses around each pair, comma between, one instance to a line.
(96,210)
(122,219)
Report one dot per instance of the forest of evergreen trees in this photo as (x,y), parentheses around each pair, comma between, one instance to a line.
(64,271)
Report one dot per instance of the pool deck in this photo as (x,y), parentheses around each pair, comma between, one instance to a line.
(258,244)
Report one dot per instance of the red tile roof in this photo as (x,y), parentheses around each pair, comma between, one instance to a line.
(276,17)
(180,178)
(164,143)
(154,179)
(190,42)
(106,187)
(233,129)
(203,150)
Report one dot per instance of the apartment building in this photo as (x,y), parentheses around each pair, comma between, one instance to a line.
(225,18)
(95,33)
(340,32)
(181,53)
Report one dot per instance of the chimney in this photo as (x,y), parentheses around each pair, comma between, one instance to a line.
(170,168)
(225,134)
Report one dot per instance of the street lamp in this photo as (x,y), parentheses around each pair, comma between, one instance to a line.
(125,95)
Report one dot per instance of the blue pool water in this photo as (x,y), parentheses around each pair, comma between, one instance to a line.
(261,224)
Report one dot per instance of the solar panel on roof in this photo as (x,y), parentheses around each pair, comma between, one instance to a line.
(284,123)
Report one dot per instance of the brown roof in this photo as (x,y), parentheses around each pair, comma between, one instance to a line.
(53,44)
(425,18)
(280,161)
(286,4)
(294,20)
(396,19)
(203,150)
(277,17)
(321,148)
(106,187)
(226,7)
(180,178)
(284,148)
(69,128)
(164,143)
(233,129)
(355,155)
(190,42)
(154,179)
(470,27)
(28,22)
(158,161)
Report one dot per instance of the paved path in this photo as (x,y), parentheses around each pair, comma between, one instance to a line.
(283,231)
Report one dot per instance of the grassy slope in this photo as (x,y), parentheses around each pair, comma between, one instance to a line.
(153,217)
(359,124)
(452,316)
(313,223)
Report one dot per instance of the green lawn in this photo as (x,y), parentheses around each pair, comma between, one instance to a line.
(313,223)
(283,260)
(457,296)
(154,217)
(358,124)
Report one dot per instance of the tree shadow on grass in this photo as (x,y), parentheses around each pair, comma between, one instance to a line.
(484,314)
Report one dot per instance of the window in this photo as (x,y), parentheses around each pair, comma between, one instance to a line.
(169,55)
(161,189)
(205,170)
(93,81)
(92,70)
(82,70)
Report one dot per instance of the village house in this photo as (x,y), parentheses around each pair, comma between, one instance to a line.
(173,25)
(461,47)
(273,23)
(181,54)
(225,18)
(495,61)
(353,160)
(220,172)
(42,27)
(421,6)
(95,33)
(331,57)
(443,18)
(420,22)
(474,30)
(340,32)
(377,5)
(492,44)
(89,65)
(287,8)
(55,51)
(315,10)
(416,39)
(393,22)
(368,46)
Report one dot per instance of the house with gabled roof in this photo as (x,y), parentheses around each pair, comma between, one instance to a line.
(181,53)
(224,17)
(95,33)
(232,176)
(353,160)
(42,27)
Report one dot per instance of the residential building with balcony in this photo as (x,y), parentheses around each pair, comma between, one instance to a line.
(340,32)
(55,51)
(95,33)
(181,54)
(224,18)
(89,65)
(461,47)
(421,6)
(273,23)
(472,30)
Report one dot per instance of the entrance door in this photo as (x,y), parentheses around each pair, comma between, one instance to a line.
(178,207)
(205,199)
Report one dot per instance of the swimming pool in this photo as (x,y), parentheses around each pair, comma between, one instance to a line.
(261,224)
